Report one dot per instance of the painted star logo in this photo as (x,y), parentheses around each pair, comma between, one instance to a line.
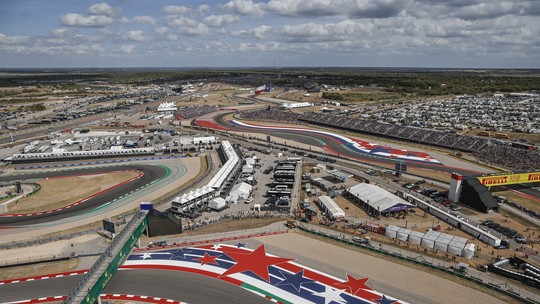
(208,259)
(240,245)
(385,300)
(357,287)
(354,285)
(179,254)
(296,280)
(331,295)
(146,256)
(256,261)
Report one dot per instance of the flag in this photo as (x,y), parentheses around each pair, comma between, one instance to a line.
(263,88)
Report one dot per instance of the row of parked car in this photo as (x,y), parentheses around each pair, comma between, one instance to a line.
(510,233)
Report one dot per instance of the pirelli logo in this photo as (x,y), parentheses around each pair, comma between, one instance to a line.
(534,177)
(494,180)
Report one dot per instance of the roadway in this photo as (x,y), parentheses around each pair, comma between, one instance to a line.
(150,174)
(168,284)
(322,141)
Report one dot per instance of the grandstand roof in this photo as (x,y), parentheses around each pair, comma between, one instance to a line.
(378,198)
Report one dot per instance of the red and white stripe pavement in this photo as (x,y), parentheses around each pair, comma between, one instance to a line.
(119,297)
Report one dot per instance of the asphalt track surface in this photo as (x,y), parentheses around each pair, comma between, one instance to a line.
(150,174)
(320,141)
(169,284)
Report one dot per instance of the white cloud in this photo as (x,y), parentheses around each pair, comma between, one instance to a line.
(137,35)
(260,32)
(245,7)
(144,19)
(175,9)
(62,32)
(73,19)
(220,20)
(104,9)
(162,30)
(127,48)
(173,21)
(312,32)
(203,8)
(196,30)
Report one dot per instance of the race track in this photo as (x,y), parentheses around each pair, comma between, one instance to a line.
(150,174)
(173,285)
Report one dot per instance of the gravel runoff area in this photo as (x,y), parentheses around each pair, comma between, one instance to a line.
(406,283)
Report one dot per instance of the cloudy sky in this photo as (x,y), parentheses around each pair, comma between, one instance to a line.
(246,33)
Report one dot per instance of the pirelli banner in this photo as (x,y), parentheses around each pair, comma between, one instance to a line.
(509,179)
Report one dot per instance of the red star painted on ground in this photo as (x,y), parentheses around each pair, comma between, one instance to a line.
(354,285)
(256,261)
(208,259)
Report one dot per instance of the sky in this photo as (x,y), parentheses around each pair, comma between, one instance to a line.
(284,33)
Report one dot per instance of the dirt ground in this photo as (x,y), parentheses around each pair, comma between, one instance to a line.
(58,192)
(379,270)
(421,221)
(39,269)
(523,201)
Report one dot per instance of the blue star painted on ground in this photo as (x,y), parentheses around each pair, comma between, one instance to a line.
(296,280)
(385,300)
(239,245)
(179,254)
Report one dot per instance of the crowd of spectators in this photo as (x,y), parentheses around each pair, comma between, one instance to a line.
(195,111)
(272,114)
(419,135)
(513,158)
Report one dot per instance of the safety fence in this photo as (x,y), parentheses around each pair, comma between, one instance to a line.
(420,260)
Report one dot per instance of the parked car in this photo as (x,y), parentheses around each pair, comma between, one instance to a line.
(520,239)
(455,207)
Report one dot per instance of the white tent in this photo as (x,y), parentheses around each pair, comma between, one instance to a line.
(330,208)
(415,237)
(242,190)
(429,238)
(403,234)
(391,231)
(378,198)
(217,203)
(442,242)
(457,245)
(468,251)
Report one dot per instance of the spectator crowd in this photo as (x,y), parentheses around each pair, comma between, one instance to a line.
(513,158)
(189,112)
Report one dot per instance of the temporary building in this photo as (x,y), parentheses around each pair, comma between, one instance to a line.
(443,241)
(247,169)
(468,251)
(378,199)
(457,245)
(429,238)
(391,231)
(242,190)
(403,234)
(217,204)
(415,237)
(330,208)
